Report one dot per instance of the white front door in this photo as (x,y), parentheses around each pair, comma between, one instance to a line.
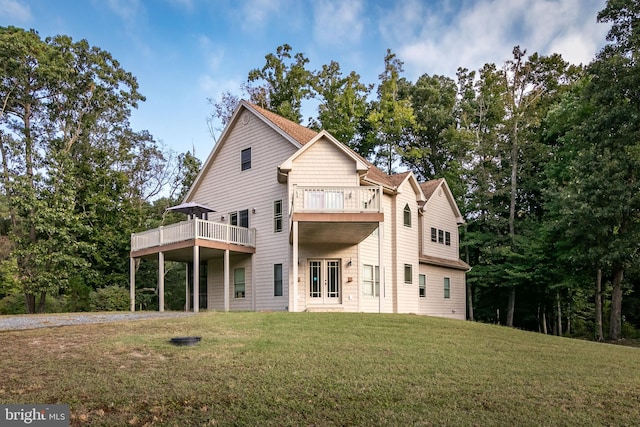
(324,281)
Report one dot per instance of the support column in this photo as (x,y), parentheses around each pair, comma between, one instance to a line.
(187,300)
(226,284)
(132,284)
(294,306)
(381,266)
(196,278)
(160,281)
(253,282)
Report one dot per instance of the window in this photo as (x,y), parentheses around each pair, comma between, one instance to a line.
(238,283)
(245,159)
(422,286)
(408,273)
(277,280)
(277,216)
(440,236)
(371,280)
(243,218)
(240,218)
(434,235)
(407,216)
(447,238)
(447,287)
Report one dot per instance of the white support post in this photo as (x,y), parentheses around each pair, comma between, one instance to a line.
(294,306)
(160,281)
(226,280)
(253,283)
(196,278)
(132,284)
(187,301)
(381,265)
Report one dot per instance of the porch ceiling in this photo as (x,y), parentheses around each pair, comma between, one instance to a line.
(341,228)
(335,232)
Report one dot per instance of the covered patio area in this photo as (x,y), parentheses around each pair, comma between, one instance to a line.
(191,241)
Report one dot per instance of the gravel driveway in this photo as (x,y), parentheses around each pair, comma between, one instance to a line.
(32,321)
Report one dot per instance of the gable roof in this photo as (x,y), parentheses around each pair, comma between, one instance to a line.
(298,132)
(300,136)
(361,165)
(429,188)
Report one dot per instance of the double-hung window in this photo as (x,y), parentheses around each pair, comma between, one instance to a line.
(238,283)
(447,287)
(277,216)
(371,280)
(277,280)
(408,274)
(422,286)
(245,159)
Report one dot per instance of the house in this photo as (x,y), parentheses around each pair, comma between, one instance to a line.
(285,218)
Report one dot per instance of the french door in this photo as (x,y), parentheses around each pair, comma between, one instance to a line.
(324,281)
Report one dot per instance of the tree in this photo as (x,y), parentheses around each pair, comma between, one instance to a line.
(64,102)
(343,104)
(390,117)
(285,83)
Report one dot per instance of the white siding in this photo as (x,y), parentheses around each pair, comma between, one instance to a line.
(439,215)
(435,304)
(407,250)
(226,189)
(323,164)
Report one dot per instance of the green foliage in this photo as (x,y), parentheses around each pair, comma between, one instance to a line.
(110,298)
(285,83)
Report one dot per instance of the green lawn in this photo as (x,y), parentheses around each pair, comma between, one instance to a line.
(320,369)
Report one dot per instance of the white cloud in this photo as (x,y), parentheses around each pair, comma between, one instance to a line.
(255,13)
(14,10)
(125,9)
(337,22)
(441,39)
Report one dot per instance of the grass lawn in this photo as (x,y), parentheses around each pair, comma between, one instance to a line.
(320,369)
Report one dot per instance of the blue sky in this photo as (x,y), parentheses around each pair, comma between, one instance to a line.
(185,51)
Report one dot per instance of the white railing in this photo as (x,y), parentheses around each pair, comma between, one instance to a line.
(336,199)
(193,229)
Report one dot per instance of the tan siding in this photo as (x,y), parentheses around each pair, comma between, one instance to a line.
(323,164)
(407,250)
(438,214)
(435,304)
(226,189)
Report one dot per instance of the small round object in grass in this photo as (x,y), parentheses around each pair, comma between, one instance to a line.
(185,341)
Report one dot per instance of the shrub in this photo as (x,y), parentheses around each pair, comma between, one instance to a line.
(110,298)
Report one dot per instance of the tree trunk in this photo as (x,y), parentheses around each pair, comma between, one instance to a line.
(470,302)
(511,307)
(30,303)
(615,322)
(42,302)
(544,321)
(469,291)
(559,314)
(599,331)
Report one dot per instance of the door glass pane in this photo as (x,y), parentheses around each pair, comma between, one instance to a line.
(333,279)
(315,285)
(334,200)
(313,200)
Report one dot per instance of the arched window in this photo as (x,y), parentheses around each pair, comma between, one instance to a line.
(407,216)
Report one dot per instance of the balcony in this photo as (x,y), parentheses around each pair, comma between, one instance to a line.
(176,239)
(339,215)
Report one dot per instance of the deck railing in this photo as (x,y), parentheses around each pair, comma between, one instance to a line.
(336,199)
(193,229)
